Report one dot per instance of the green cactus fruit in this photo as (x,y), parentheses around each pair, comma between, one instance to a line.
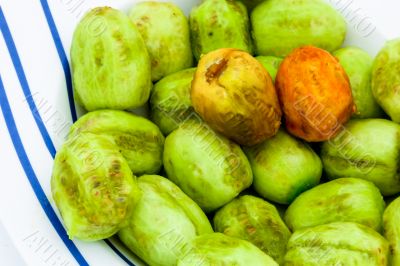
(283,167)
(138,139)
(386,79)
(110,64)
(165,30)
(340,200)
(257,221)
(279,26)
(219,250)
(93,187)
(368,149)
(208,167)
(216,24)
(341,243)
(391,226)
(170,100)
(163,222)
(358,65)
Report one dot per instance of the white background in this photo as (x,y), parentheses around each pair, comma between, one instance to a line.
(387,23)
(389,19)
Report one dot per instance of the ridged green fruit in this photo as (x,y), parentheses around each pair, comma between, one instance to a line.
(341,243)
(163,223)
(391,226)
(368,149)
(170,100)
(386,79)
(358,66)
(93,187)
(283,167)
(219,250)
(110,63)
(257,221)
(216,24)
(165,30)
(279,26)
(340,200)
(208,167)
(138,139)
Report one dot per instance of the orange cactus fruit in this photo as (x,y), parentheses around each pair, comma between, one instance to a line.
(315,94)
(235,95)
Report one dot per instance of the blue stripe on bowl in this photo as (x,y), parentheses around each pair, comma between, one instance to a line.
(30,174)
(24,83)
(25,86)
(67,72)
(61,54)
(118,252)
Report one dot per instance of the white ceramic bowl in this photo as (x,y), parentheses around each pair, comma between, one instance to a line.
(37,110)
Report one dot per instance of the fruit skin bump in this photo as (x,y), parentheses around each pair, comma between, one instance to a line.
(216,24)
(279,26)
(315,94)
(110,63)
(340,200)
(165,30)
(257,221)
(391,218)
(163,223)
(170,100)
(386,79)
(340,243)
(138,139)
(358,66)
(217,249)
(368,149)
(208,167)
(93,187)
(235,95)
(283,167)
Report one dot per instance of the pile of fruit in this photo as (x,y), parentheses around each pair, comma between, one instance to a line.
(283,158)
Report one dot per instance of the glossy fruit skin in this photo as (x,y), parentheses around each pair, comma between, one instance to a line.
(216,24)
(341,243)
(368,149)
(283,167)
(358,66)
(315,94)
(391,218)
(257,221)
(170,100)
(279,26)
(93,187)
(110,63)
(165,30)
(234,94)
(163,222)
(271,64)
(208,167)
(217,249)
(138,139)
(386,79)
(340,200)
